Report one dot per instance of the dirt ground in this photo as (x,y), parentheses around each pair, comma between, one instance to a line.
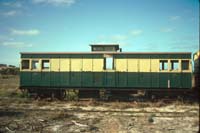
(18,114)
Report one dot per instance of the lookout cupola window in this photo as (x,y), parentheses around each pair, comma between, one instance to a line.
(105,47)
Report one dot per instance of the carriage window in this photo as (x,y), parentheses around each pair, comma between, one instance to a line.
(174,65)
(35,64)
(97,49)
(25,64)
(185,64)
(45,64)
(109,48)
(108,63)
(163,65)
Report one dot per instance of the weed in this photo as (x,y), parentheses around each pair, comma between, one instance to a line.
(151,118)
(72,95)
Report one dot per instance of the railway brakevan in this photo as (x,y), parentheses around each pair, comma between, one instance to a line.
(106,67)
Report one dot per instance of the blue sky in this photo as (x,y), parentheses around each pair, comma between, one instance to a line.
(71,25)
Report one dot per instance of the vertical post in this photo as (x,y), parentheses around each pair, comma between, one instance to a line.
(168,83)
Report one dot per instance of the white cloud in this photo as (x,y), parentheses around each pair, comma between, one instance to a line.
(173,18)
(13,4)
(31,32)
(10,13)
(16,44)
(55,2)
(167,30)
(136,32)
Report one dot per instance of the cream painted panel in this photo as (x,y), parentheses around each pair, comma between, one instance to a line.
(144,65)
(64,65)
(179,67)
(98,65)
(196,55)
(55,64)
(132,65)
(190,66)
(155,65)
(121,64)
(76,64)
(87,64)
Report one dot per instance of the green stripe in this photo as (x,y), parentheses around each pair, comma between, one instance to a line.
(106,79)
(61,55)
(140,56)
(154,56)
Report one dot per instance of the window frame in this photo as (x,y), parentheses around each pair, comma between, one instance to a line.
(163,65)
(27,65)
(43,68)
(109,48)
(182,65)
(172,65)
(39,65)
(105,65)
(98,49)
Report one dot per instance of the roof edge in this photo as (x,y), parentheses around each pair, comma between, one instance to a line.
(104,52)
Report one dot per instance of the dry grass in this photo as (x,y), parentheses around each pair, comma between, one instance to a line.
(61,115)
(112,126)
(9,86)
